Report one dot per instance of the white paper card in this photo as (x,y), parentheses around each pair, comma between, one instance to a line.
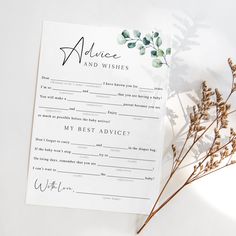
(98,118)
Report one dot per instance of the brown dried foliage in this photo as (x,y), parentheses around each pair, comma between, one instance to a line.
(219,155)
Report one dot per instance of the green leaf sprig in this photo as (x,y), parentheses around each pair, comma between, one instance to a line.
(150,40)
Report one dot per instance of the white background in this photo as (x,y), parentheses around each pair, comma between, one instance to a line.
(205,37)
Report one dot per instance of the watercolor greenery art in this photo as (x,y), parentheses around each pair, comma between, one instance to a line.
(150,41)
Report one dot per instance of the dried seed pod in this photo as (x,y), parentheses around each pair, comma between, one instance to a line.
(174,150)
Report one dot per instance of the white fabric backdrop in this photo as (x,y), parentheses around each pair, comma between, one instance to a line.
(205,37)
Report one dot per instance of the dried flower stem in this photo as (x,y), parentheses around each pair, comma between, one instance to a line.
(217,154)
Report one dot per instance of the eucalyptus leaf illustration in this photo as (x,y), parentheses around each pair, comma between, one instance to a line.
(160,52)
(156,34)
(146,41)
(149,37)
(121,39)
(131,45)
(142,51)
(168,51)
(157,63)
(153,53)
(125,33)
(152,41)
(158,42)
(137,33)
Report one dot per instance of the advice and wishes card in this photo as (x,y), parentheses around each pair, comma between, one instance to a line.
(98,118)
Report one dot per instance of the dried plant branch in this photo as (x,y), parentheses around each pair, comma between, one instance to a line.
(219,155)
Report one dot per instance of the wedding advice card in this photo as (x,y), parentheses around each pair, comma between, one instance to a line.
(97,131)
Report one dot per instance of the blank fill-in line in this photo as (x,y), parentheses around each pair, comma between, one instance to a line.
(73,81)
(81,144)
(124,167)
(98,112)
(146,91)
(146,88)
(111,195)
(101,103)
(55,108)
(149,117)
(115,147)
(77,173)
(93,86)
(107,94)
(84,154)
(130,158)
(124,177)
(67,90)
